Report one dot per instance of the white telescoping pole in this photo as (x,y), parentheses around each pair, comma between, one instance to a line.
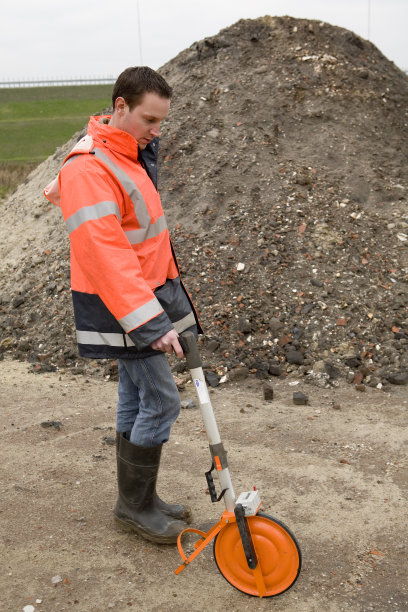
(207,413)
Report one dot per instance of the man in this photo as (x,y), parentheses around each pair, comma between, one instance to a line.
(129,301)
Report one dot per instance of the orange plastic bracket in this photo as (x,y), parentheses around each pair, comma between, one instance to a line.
(259,581)
(258,576)
(203,541)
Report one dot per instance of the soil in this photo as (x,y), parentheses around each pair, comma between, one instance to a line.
(334,471)
(284,179)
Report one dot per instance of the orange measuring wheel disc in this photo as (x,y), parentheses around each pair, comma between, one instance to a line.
(277,551)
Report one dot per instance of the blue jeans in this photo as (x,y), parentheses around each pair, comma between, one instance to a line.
(149,401)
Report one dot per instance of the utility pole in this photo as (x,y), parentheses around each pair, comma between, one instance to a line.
(369,20)
(139,32)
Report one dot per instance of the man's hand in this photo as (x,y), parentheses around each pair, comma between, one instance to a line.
(168,343)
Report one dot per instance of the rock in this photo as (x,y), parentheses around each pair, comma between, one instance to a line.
(214,133)
(267,392)
(17,301)
(211,378)
(364,370)
(319,367)
(244,326)
(56,579)
(353,361)
(54,424)
(275,324)
(188,403)
(179,367)
(332,370)
(300,399)
(213,345)
(350,377)
(398,378)
(46,367)
(261,369)
(358,378)
(360,387)
(307,308)
(239,373)
(295,357)
(318,379)
(316,282)
(275,369)
(374,382)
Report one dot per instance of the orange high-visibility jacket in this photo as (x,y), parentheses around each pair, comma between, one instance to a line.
(125,281)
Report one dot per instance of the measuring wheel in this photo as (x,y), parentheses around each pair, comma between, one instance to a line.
(277,551)
(254,552)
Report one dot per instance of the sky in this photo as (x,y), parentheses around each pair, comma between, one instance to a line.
(97,38)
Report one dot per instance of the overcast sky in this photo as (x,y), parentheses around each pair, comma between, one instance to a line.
(48,39)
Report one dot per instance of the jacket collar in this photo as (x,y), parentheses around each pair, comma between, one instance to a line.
(116,140)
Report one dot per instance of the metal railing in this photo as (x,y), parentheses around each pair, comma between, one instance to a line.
(107,80)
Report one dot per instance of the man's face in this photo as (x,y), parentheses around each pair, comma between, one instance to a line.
(143,122)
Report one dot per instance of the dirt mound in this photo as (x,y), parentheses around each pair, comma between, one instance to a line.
(284,179)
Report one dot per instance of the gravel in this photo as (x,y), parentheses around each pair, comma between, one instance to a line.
(284,179)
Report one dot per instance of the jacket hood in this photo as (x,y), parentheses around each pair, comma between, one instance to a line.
(52,190)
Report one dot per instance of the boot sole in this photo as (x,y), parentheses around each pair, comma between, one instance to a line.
(134,528)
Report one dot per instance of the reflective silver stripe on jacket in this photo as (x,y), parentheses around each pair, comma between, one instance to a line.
(100,338)
(141,315)
(185,322)
(140,235)
(112,339)
(90,213)
(147,228)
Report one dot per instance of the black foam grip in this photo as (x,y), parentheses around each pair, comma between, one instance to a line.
(189,346)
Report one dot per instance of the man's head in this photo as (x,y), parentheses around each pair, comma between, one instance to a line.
(133,83)
(141,100)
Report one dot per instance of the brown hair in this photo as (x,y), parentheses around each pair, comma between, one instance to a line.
(134,82)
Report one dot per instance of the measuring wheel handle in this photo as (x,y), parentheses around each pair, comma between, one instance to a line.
(189,345)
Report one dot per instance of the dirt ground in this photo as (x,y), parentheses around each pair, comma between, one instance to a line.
(332,470)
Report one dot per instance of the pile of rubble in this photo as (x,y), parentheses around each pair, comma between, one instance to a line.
(284,179)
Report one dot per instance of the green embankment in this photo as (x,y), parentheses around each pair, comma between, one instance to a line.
(34,121)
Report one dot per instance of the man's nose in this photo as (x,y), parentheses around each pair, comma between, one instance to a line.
(155,130)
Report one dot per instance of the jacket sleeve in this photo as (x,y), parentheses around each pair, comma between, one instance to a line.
(93,208)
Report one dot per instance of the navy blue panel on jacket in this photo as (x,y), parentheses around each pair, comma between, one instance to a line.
(148,159)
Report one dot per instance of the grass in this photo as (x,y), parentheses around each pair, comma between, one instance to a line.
(34,121)
(12,175)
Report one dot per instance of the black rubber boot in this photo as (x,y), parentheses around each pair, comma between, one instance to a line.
(137,507)
(177,511)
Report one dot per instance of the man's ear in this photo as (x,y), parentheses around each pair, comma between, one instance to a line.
(120,105)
